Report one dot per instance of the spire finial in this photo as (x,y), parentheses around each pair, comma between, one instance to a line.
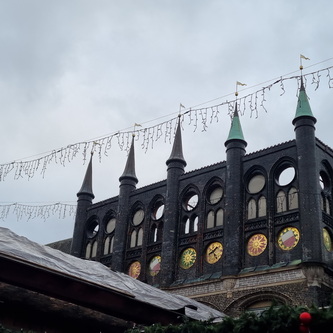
(300,60)
(181,106)
(238,84)
(134,128)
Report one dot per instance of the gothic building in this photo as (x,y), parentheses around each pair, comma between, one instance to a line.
(236,235)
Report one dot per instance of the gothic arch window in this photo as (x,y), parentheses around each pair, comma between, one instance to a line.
(262,206)
(109,228)
(133,238)
(219,217)
(210,219)
(190,224)
(292,198)
(108,245)
(94,249)
(251,209)
(281,202)
(328,206)
(136,237)
(215,219)
(153,234)
(88,250)
(157,207)
(140,237)
(256,187)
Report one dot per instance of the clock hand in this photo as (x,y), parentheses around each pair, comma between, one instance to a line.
(211,252)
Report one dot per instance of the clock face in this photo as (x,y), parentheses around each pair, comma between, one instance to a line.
(187,258)
(288,238)
(327,240)
(214,252)
(256,245)
(134,269)
(155,265)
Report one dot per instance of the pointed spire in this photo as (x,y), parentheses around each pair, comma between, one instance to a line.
(303,105)
(86,187)
(177,149)
(129,171)
(235,132)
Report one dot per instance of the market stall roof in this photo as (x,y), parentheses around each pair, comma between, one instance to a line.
(91,284)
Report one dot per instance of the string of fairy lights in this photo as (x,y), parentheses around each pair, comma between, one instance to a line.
(199,118)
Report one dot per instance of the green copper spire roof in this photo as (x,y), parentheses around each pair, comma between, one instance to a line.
(303,106)
(236,132)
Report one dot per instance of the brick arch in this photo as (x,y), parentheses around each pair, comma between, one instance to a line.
(241,304)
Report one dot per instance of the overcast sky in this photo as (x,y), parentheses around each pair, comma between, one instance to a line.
(72,71)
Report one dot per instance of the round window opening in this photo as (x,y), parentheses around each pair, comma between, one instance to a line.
(256,184)
(286,176)
(158,211)
(138,217)
(190,201)
(215,195)
(110,226)
(92,229)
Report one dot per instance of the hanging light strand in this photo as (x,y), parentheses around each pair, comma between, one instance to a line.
(199,118)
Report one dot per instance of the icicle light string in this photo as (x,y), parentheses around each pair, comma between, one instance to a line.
(61,210)
(198,118)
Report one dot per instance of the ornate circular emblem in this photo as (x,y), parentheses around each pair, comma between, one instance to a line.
(288,238)
(187,258)
(134,269)
(327,240)
(155,265)
(256,245)
(214,252)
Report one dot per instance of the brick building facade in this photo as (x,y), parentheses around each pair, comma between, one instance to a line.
(235,235)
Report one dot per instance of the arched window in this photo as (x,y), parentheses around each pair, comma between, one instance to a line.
(219,217)
(187,226)
(195,224)
(133,239)
(251,209)
(140,237)
(153,234)
(281,204)
(108,245)
(292,198)
(210,220)
(328,206)
(88,251)
(94,249)
(262,209)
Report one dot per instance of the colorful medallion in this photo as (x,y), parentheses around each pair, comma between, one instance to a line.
(288,238)
(134,269)
(155,265)
(327,240)
(256,245)
(214,252)
(187,258)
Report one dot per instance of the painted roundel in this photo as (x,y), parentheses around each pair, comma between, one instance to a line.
(256,245)
(155,265)
(187,258)
(214,252)
(327,240)
(134,269)
(288,238)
